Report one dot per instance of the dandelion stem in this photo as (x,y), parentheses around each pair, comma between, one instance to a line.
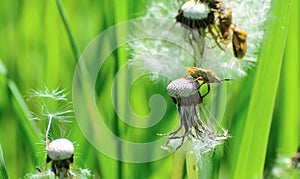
(191,165)
(62,13)
(178,163)
(116,123)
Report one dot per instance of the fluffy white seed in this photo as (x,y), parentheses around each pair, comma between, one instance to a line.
(60,149)
(195,10)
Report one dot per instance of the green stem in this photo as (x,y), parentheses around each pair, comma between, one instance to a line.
(178,163)
(116,121)
(191,165)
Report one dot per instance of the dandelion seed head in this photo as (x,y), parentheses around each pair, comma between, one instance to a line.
(158,64)
(249,15)
(182,87)
(60,149)
(193,133)
(195,10)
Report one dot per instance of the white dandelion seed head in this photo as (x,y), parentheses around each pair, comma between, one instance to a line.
(163,9)
(158,64)
(249,15)
(60,149)
(195,10)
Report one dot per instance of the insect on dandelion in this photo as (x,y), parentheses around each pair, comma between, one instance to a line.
(205,76)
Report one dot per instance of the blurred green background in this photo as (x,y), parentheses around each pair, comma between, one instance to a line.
(262,111)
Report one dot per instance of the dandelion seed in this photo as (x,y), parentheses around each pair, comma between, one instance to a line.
(55,94)
(51,104)
(185,94)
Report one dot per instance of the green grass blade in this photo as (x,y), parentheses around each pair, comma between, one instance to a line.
(290,86)
(3,170)
(74,46)
(251,154)
(27,124)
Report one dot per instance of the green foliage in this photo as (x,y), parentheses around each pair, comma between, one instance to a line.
(255,135)
(39,40)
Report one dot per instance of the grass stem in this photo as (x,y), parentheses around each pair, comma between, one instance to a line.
(74,46)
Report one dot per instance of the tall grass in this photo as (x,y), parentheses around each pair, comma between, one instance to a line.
(255,135)
(39,40)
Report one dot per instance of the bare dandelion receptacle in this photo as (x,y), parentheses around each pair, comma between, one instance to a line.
(60,152)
